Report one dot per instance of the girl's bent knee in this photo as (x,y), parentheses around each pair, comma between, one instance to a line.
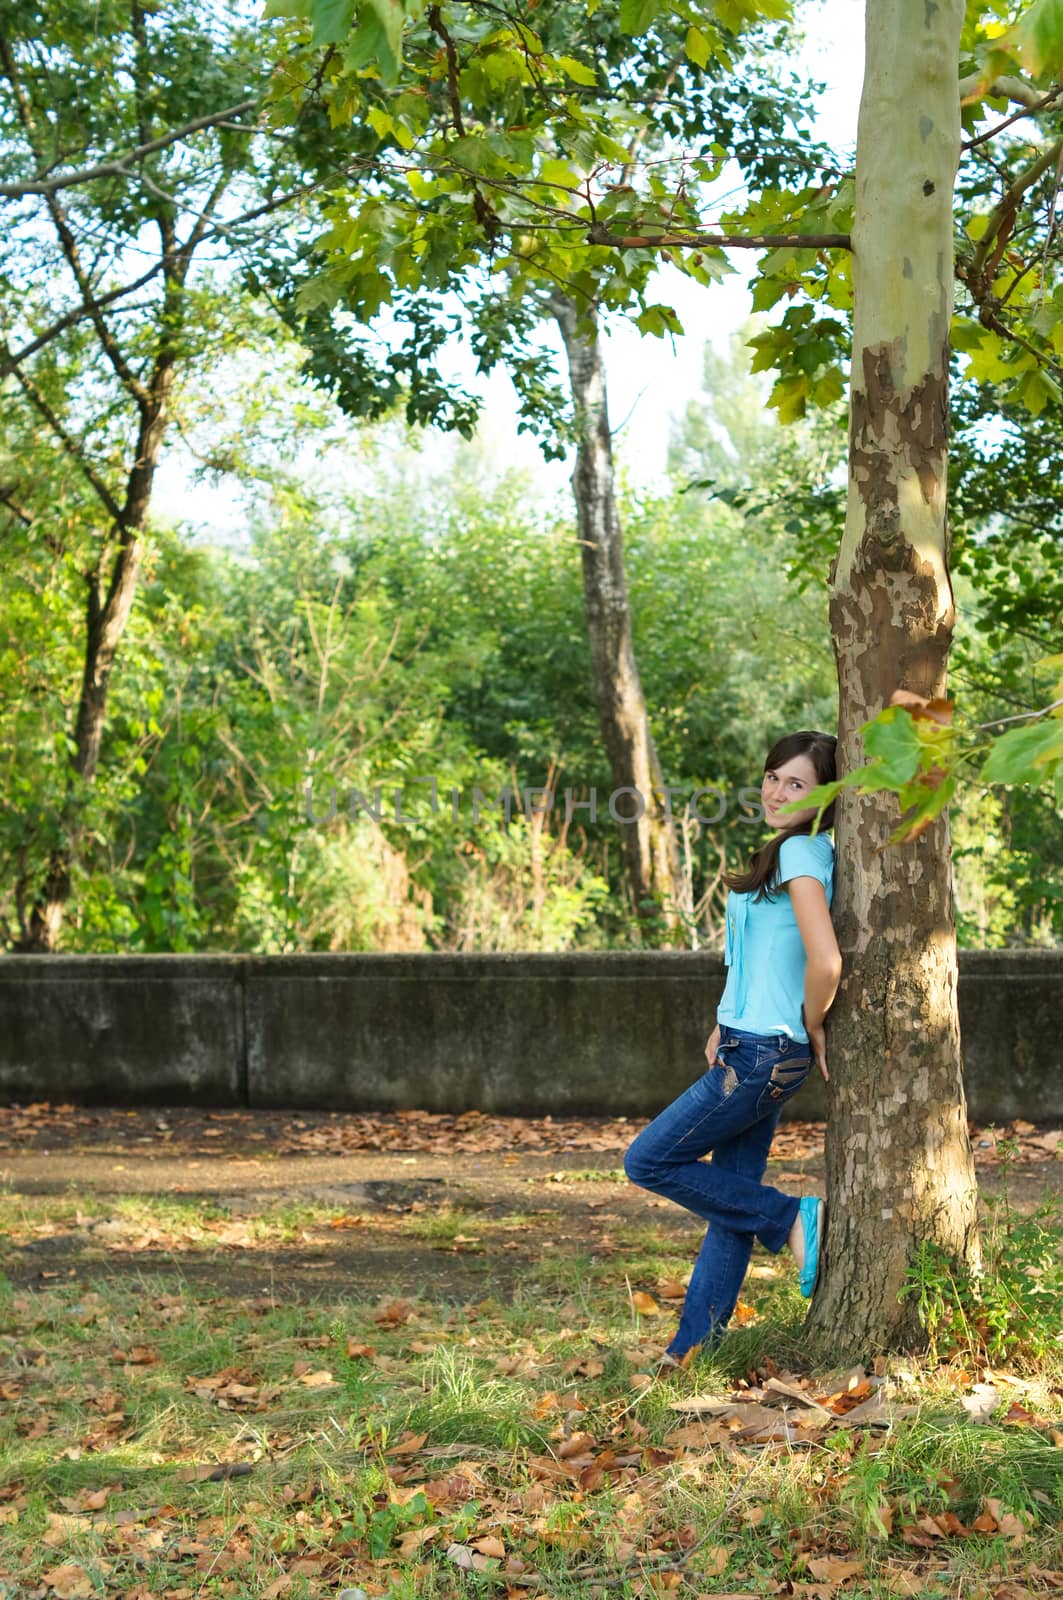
(639,1166)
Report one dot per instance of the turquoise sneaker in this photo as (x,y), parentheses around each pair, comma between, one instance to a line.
(812,1214)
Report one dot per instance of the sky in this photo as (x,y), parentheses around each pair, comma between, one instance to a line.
(650,381)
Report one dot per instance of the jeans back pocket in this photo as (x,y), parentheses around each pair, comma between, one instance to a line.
(787,1076)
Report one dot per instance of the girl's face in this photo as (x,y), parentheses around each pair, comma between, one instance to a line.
(782,784)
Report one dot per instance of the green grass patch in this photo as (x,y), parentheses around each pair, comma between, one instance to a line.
(156,1436)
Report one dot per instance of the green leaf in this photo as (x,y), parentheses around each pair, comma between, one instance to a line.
(368,47)
(894,745)
(557,172)
(577,70)
(829,387)
(1039,390)
(989,360)
(658,320)
(789,396)
(929,804)
(287,8)
(472,152)
(967,334)
(391,15)
(331,19)
(1022,754)
(636,16)
(697,47)
(1039,36)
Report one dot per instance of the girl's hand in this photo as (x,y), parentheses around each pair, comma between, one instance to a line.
(712,1045)
(818,1041)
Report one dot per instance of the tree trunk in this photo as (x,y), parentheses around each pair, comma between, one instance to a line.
(651,858)
(899,1166)
(107,613)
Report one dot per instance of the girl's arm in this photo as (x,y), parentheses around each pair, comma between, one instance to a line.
(823,968)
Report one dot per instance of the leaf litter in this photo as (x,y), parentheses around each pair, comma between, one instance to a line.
(298,1450)
(63,1126)
(603,1503)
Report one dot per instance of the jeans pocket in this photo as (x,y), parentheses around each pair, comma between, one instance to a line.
(737,1061)
(787,1076)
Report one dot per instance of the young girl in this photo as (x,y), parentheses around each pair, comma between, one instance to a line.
(784,967)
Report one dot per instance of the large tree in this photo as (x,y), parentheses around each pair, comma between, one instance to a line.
(899,1160)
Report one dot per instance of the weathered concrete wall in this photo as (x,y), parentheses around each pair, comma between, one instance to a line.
(617,1034)
(98,1030)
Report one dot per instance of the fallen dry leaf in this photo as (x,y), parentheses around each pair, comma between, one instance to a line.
(467,1559)
(412,1540)
(489,1546)
(834,1569)
(714,1559)
(408,1445)
(981,1402)
(899,1580)
(791,1391)
(645,1304)
(69,1582)
(578,1445)
(59,1529)
(393,1313)
(215,1471)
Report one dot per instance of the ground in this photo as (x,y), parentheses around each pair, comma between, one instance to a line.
(453,1206)
(303,1355)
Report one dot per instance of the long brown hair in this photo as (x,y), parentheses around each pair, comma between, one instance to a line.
(821,749)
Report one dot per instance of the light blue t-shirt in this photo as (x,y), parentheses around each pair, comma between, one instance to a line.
(764,952)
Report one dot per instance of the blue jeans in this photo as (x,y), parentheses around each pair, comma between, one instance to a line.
(732,1110)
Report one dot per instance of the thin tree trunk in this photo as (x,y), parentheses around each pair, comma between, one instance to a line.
(111,591)
(899,1166)
(651,857)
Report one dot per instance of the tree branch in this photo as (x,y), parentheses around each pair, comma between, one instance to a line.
(70,445)
(598,233)
(438,27)
(67,241)
(1023,716)
(1002,218)
(1006,88)
(485,214)
(7,498)
(9,361)
(120,166)
(1043,104)
(199,228)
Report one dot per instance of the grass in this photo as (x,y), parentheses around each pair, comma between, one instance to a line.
(355,1444)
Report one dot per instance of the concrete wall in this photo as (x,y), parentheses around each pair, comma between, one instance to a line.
(616,1034)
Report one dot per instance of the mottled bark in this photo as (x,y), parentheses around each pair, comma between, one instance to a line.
(650,853)
(899,1166)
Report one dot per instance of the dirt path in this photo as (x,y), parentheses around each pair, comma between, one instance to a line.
(452,1207)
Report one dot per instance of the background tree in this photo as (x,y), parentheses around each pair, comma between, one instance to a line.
(154,107)
(580,85)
